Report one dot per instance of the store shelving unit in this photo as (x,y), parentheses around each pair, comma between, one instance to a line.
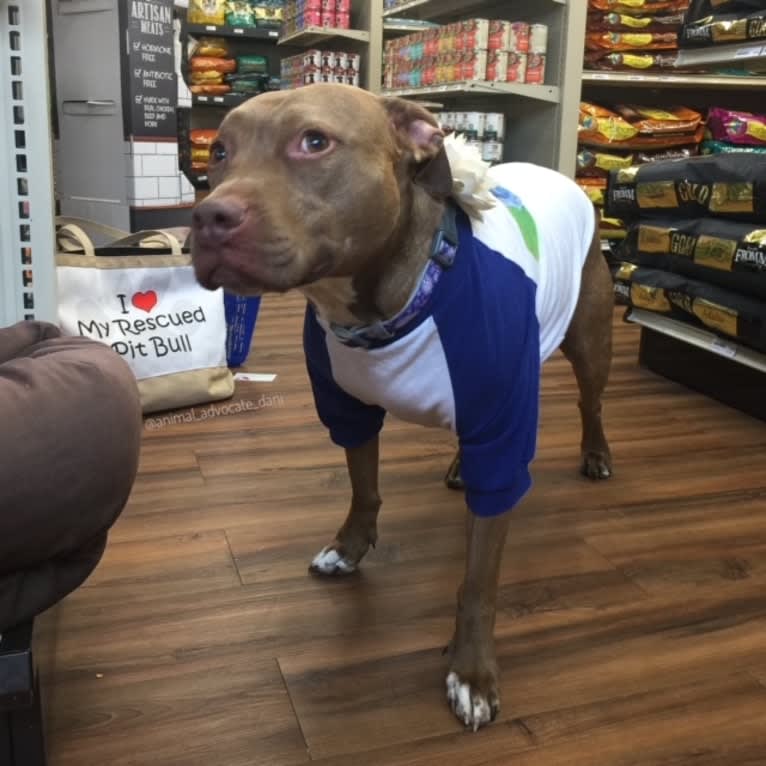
(675,349)
(541,119)
(27,268)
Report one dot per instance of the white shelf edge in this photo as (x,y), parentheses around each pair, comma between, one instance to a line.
(721,54)
(667,80)
(309,35)
(695,336)
(404,7)
(417,3)
(548,93)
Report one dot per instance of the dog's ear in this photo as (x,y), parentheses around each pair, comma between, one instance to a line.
(415,128)
(418,134)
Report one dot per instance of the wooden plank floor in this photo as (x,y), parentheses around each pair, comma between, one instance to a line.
(632,614)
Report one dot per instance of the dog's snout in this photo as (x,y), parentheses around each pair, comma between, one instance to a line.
(217,218)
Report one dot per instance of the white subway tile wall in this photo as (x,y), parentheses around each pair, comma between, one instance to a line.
(154,177)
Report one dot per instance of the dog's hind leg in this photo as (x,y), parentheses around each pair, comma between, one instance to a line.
(360,530)
(588,346)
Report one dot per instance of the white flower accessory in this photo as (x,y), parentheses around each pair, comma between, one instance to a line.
(471,188)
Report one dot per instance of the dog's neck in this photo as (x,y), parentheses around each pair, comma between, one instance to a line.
(387,278)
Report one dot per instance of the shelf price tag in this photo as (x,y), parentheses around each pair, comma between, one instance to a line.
(239,31)
(722,348)
(211,28)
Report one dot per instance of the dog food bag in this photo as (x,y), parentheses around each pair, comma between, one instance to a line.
(211,47)
(207,64)
(720,185)
(210,89)
(594,188)
(737,127)
(630,127)
(721,147)
(721,311)
(627,61)
(207,12)
(202,137)
(723,29)
(594,164)
(631,41)
(623,22)
(206,78)
(639,7)
(729,254)
(240,13)
(252,64)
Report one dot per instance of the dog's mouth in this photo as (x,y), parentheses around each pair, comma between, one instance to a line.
(254,270)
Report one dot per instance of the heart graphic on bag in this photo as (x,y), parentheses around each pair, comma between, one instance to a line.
(145,301)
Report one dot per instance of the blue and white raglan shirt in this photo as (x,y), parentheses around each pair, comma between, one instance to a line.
(472,362)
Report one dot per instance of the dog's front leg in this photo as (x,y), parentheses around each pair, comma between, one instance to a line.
(360,530)
(472,681)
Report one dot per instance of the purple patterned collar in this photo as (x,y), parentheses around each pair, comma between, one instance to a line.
(443,251)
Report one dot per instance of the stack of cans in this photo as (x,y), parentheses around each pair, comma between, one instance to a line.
(300,14)
(484,130)
(320,66)
(475,49)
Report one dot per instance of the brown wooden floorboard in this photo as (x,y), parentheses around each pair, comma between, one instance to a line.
(631,614)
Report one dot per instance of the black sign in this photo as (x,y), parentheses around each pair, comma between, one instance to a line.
(151,68)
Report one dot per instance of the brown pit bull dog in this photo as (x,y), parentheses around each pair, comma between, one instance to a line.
(435,287)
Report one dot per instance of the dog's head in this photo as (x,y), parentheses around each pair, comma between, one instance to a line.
(309,183)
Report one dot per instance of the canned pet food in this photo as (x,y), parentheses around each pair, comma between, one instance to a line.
(535,69)
(473,127)
(499,36)
(494,126)
(538,39)
(492,151)
(517,67)
(497,66)
(519,40)
(328,19)
(342,21)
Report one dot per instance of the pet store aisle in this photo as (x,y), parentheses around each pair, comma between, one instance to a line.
(631,625)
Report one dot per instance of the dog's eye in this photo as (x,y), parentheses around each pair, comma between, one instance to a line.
(314,142)
(218,152)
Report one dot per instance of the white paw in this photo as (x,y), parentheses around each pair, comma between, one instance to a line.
(473,709)
(329,562)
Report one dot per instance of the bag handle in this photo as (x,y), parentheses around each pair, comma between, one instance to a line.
(71,238)
(86,225)
(150,238)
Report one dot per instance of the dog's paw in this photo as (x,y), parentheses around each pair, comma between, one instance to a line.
(596,465)
(330,561)
(473,707)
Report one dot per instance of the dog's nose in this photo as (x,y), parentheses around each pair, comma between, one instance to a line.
(217,218)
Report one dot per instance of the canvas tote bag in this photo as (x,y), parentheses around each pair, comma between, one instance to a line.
(137,293)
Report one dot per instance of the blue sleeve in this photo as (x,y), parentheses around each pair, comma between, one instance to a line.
(351,423)
(491,338)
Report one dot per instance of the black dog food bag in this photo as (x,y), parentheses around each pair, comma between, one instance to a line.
(727,254)
(723,312)
(731,186)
